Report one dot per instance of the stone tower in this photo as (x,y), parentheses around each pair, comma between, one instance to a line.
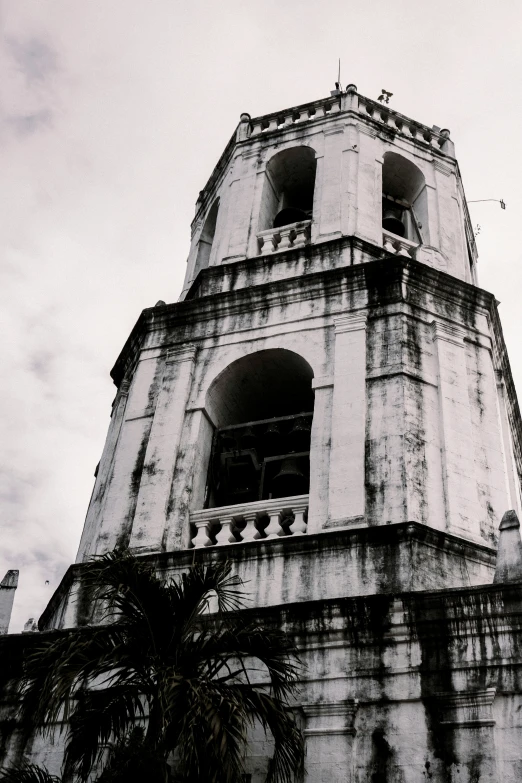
(330,407)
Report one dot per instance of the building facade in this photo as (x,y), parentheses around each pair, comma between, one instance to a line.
(330,407)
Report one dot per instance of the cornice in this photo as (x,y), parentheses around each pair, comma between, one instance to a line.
(399,277)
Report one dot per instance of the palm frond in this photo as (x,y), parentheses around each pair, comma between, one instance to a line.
(27,773)
(100,716)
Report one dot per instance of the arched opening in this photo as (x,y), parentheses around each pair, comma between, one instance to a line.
(404,199)
(263,407)
(288,190)
(206,238)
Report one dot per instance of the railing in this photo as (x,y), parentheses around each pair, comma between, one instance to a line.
(438,139)
(285,238)
(264,519)
(294,116)
(398,245)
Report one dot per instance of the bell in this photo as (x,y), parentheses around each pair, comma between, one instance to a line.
(299,435)
(289,481)
(289,215)
(391,221)
(228,441)
(247,438)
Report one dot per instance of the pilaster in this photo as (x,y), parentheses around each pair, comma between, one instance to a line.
(460,490)
(162,448)
(346,486)
(329,734)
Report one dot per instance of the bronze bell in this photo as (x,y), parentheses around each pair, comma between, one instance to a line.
(290,215)
(391,221)
(228,441)
(289,481)
(248,439)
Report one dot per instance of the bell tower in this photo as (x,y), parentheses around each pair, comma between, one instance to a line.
(331,363)
(329,406)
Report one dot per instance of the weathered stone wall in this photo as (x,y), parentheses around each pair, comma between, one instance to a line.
(396,688)
(350,144)
(408,421)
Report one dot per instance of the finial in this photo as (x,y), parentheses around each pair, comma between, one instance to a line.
(245,117)
(509,553)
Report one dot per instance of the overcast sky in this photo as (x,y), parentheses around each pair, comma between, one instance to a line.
(112,116)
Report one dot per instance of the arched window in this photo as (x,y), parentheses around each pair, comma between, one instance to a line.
(206,238)
(263,407)
(404,199)
(288,191)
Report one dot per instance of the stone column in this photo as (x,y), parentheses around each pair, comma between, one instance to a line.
(369,187)
(162,449)
(346,490)
(329,734)
(460,491)
(466,720)
(350,161)
(320,452)
(103,472)
(507,444)
(330,205)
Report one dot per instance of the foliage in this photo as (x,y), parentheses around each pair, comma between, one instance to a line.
(161,676)
(27,773)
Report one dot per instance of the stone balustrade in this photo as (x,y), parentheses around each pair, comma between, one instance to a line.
(263,519)
(398,245)
(438,139)
(294,116)
(285,238)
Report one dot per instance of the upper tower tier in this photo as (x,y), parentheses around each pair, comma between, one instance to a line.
(342,166)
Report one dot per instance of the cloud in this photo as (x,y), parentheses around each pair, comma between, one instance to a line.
(25,125)
(34,58)
(28,92)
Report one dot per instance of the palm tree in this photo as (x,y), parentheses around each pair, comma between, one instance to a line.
(159,675)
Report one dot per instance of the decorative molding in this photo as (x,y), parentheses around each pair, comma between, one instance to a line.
(438,166)
(182,353)
(354,322)
(467,709)
(330,717)
(367,131)
(449,332)
(333,131)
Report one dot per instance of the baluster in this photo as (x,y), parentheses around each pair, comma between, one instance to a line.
(274,528)
(298,526)
(319,112)
(403,249)
(286,239)
(269,245)
(273,124)
(226,534)
(250,533)
(388,244)
(300,236)
(202,538)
